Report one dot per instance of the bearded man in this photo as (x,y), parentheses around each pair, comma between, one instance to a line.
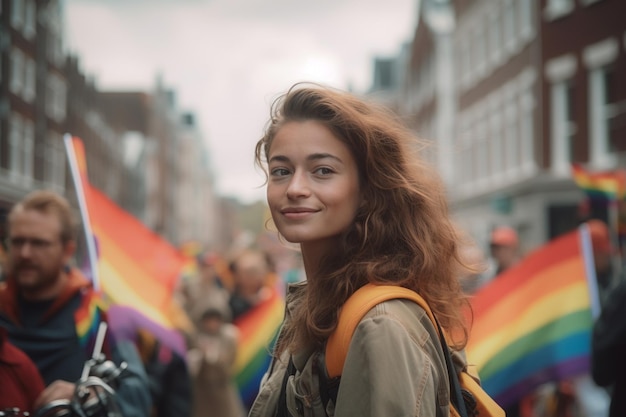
(51,311)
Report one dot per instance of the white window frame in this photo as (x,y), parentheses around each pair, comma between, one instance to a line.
(559,72)
(598,58)
(561,128)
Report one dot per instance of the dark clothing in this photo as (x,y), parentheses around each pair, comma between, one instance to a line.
(239,305)
(21,382)
(170,383)
(52,344)
(60,336)
(608,360)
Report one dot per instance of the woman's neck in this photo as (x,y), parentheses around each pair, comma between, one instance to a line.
(311,258)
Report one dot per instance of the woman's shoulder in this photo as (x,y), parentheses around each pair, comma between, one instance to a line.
(408,315)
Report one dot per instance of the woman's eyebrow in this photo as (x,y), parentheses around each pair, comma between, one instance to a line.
(312,157)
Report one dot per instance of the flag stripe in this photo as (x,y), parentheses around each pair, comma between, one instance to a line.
(491,339)
(134,275)
(121,293)
(257,330)
(572,367)
(559,254)
(573,346)
(574,323)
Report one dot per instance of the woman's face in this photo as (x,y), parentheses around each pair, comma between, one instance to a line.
(313,188)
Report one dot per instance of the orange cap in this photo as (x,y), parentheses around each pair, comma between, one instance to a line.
(600,238)
(504,236)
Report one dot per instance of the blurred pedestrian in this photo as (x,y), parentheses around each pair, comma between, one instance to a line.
(51,311)
(206,290)
(252,277)
(608,366)
(504,248)
(211,363)
(345,183)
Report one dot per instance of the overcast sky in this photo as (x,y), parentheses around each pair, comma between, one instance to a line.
(228,59)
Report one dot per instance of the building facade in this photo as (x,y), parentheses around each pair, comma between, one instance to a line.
(531,93)
(33,94)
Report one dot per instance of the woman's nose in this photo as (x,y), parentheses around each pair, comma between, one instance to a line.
(298,186)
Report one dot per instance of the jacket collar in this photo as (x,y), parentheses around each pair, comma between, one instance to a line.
(9,294)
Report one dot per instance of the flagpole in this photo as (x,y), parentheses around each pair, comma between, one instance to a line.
(82,205)
(590,269)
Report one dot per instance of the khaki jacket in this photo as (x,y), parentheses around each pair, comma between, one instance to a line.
(394,367)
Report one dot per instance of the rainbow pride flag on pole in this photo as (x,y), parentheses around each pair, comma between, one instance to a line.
(258,329)
(133,265)
(604,185)
(533,323)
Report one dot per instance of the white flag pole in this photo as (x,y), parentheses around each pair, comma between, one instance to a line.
(82,205)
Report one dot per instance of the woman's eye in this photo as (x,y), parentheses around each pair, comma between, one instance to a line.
(324,171)
(279,172)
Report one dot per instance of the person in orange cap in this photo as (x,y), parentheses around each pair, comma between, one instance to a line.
(504,248)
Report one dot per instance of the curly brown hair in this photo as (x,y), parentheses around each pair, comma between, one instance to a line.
(402,234)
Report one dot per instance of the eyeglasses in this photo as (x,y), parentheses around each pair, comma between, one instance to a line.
(35,243)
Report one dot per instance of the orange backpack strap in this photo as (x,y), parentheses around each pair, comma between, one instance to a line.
(353,310)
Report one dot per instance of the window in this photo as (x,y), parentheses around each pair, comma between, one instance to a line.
(15,134)
(28,150)
(56,98)
(525,19)
(55,160)
(562,126)
(30,25)
(17,14)
(526,132)
(481,51)
(495,35)
(480,144)
(510,29)
(599,58)
(16,75)
(28,92)
(601,114)
(510,135)
(495,134)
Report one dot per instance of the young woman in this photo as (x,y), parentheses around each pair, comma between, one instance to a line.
(345,181)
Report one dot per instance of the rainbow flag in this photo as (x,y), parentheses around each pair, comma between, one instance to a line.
(135,266)
(258,329)
(533,323)
(600,186)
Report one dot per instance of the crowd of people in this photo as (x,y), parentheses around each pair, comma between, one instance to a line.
(50,315)
(346,183)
